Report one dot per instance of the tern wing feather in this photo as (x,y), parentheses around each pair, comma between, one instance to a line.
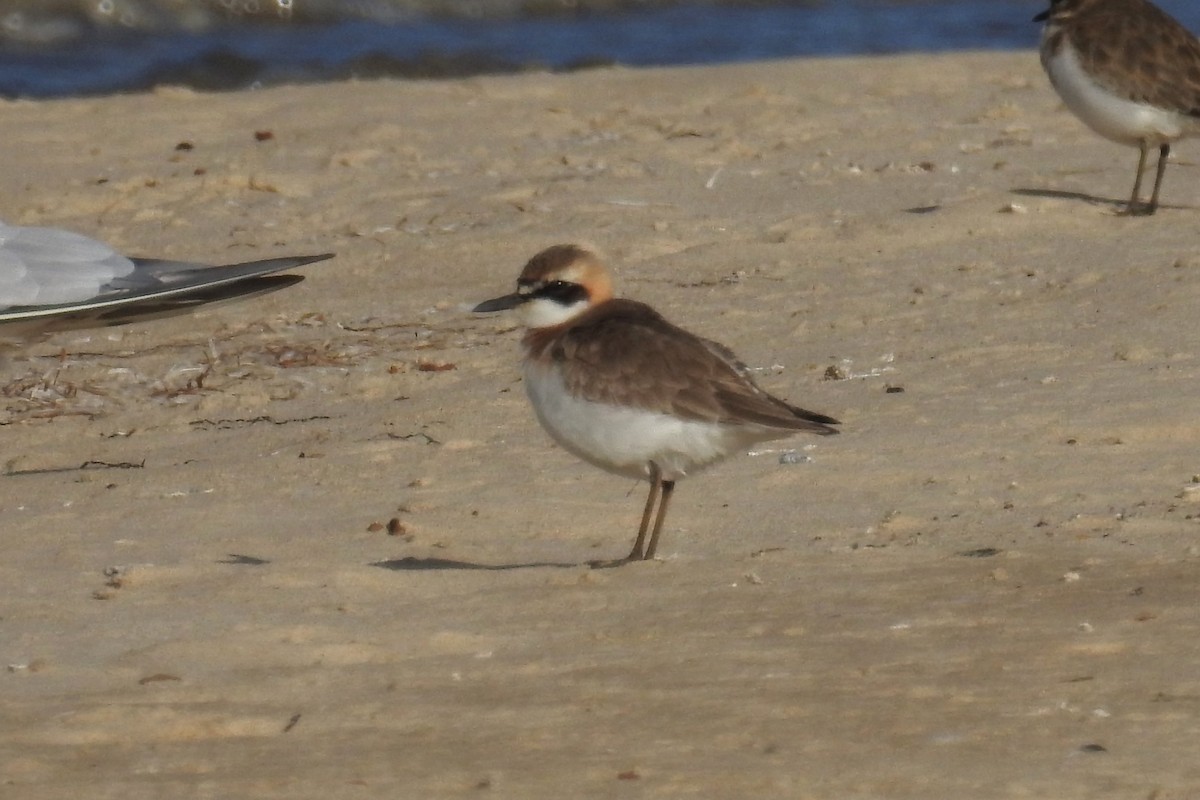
(154,288)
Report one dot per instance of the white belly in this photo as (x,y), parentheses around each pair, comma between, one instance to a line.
(625,440)
(1112,117)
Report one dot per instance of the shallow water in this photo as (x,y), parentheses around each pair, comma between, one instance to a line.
(73,48)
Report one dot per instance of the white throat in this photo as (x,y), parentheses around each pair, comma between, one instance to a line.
(542,312)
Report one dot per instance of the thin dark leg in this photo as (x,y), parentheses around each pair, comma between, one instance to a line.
(1163,152)
(1133,208)
(655,480)
(667,488)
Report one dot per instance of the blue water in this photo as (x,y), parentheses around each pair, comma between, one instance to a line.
(98,59)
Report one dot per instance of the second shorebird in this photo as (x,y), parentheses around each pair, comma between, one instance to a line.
(1130,72)
(620,387)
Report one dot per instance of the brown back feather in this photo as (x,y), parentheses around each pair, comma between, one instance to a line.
(1119,42)
(622,352)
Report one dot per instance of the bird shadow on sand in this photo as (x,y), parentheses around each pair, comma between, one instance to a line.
(1090,199)
(414,564)
(1059,194)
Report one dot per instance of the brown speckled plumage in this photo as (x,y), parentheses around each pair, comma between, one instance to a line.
(1133,49)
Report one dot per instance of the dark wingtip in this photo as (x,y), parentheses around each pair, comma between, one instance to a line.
(288,262)
(318,257)
(1042,17)
(818,419)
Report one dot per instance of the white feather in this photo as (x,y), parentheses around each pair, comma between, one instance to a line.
(43,266)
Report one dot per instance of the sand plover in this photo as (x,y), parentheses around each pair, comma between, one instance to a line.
(52,279)
(1129,71)
(618,386)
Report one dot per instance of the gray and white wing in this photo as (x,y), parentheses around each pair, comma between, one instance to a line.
(49,266)
(52,279)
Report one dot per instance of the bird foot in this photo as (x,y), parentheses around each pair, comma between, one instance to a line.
(618,562)
(1137,210)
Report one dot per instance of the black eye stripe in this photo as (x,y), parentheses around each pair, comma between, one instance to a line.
(562,292)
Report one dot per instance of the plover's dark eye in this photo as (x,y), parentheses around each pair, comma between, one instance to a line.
(563,292)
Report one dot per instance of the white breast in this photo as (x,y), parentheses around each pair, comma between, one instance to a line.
(1113,117)
(624,440)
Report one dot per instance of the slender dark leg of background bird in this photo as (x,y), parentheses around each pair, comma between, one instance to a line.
(1163,152)
(667,488)
(655,480)
(1133,207)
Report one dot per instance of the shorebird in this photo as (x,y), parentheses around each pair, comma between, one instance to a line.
(52,279)
(619,386)
(1128,70)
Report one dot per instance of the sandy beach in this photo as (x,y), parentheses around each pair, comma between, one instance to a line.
(985,588)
